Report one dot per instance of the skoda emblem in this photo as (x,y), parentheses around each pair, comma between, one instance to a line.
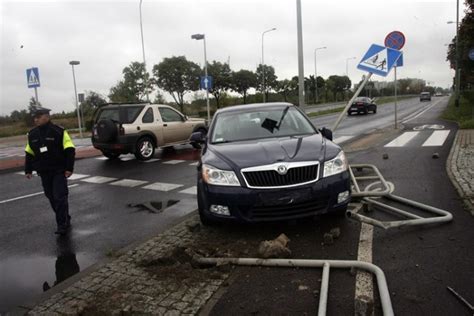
(282,169)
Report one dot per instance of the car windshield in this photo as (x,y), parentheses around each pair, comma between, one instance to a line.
(267,123)
(362,99)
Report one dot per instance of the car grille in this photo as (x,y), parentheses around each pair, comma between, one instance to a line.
(304,209)
(271,178)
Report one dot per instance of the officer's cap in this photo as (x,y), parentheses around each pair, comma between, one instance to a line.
(40,111)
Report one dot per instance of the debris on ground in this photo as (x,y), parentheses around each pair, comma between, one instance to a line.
(276,248)
(385,156)
(194,227)
(435,156)
(303,288)
(335,232)
(328,239)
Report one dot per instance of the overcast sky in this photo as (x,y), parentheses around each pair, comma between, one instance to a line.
(105,37)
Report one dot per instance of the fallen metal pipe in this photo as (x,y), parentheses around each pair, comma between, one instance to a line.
(358,193)
(308,263)
(414,219)
(323,296)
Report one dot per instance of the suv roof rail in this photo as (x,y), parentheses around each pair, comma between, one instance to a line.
(124,103)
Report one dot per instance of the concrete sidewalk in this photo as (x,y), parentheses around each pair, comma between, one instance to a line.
(460,166)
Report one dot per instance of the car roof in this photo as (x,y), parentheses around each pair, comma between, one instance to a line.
(255,106)
(119,105)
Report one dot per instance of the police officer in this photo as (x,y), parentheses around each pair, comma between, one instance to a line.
(50,152)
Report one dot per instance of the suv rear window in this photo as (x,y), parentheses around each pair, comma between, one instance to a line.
(125,114)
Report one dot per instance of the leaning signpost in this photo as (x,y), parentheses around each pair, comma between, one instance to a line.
(33,80)
(396,40)
(377,60)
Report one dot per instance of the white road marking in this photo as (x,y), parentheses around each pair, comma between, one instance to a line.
(22,173)
(98,179)
(402,140)
(102,158)
(428,108)
(160,186)
(191,190)
(77,176)
(364,289)
(194,163)
(128,183)
(151,160)
(128,157)
(436,139)
(173,162)
(341,139)
(32,194)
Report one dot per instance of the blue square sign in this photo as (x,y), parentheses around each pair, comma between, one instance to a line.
(379,60)
(206,82)
(32,77)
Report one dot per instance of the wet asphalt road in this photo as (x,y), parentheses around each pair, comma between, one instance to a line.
(102,222)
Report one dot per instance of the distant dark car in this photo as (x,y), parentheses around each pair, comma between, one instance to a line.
(425,96)
(267,162)
(362,105)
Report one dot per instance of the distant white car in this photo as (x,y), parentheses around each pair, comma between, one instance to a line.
(438,94)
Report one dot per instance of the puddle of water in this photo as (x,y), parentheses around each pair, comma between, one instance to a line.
(23,278)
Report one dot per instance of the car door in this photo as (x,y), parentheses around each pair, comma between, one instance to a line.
(149,121)
(174,126)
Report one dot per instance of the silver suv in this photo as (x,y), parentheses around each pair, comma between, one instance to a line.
(140,128)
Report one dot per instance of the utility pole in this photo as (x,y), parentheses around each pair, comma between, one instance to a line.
(300,55)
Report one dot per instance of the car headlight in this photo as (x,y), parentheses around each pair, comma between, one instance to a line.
(336,165)
(215,176)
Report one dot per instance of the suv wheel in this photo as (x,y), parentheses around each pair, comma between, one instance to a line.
(145,149)
(111,154)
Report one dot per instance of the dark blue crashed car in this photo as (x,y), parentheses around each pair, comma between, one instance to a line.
(267,162)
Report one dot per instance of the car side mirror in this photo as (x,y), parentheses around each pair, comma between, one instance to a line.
(326,132)
(198,137)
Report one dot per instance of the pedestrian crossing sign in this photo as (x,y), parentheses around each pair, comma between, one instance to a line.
(379,60)
(32,77)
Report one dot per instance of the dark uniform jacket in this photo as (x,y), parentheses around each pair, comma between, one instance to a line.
(49,148)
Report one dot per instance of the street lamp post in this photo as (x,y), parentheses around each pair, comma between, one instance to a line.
(347,65)
(456,91)
(316,71)
(263,63)
(75,63)
(203,37)
(143,52)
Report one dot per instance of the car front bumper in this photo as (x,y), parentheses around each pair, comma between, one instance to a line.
(262,205)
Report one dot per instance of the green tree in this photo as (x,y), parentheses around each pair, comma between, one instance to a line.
(221,77)
(132,88)
(311,85)
(242,81)
(92,101)
(284,88)
(177,76)
(465,43)
(270,79)
(338,84)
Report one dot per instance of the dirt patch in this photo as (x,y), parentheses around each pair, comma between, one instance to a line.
(370,140)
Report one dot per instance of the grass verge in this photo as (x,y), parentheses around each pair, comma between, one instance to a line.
(464,114)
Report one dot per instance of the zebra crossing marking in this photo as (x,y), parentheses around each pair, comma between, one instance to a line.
(402,140)
(436,139)
(161,186)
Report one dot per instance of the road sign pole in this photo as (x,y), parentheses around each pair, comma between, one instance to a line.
(77,105)
(396,105)
(356,94)
(36,95)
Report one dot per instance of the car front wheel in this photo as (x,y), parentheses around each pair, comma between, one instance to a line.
(145,149)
